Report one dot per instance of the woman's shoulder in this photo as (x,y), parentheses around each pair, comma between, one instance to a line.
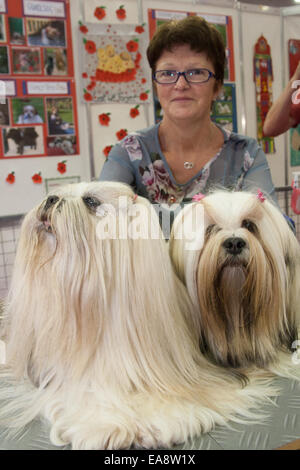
(137,145)
(235,137)
(239,144)
(145,134)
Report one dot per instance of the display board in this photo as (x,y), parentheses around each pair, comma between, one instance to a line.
(38,111)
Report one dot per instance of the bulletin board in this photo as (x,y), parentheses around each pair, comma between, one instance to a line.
(38,111)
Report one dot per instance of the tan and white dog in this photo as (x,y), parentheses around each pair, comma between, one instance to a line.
(242,271)
(99,333)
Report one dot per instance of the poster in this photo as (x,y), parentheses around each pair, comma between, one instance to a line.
(38,116)
(263,79)
(114,69)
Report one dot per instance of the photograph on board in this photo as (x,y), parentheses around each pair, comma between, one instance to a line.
(60,116)
(2,29)
(4,67)
(16,31)
(45,32)
(26,60)
(62,145)
(28,110)
(23,141)
(4,114)
(55,61)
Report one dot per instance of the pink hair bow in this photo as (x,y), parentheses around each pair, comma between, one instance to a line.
(260,195)
(198,197)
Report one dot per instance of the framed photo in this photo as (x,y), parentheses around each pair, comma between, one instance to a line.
(26,60)
(55,61)
(2,29)
(54,183)
(23,141)
(4,114)
(3,7)
(62,145)
(28,110)
(16,31)
(45,32)
(4,63)
(60,116)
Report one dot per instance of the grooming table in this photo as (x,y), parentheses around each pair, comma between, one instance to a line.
(281,427)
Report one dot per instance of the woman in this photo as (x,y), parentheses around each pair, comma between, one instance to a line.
(186,153)
(285,112)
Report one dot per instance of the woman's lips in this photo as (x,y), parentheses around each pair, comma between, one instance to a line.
(182,99)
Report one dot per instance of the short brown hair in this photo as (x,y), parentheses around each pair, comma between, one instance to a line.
(194,31)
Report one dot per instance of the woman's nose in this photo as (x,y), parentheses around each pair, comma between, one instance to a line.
(182,82)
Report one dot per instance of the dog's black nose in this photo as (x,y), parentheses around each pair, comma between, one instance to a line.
(234,245)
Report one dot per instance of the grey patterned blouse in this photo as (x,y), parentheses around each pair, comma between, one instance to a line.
(138,160)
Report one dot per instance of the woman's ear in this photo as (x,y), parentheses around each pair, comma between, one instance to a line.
(217,89)
(154,88)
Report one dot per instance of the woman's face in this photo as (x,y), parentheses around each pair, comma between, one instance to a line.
(183,100)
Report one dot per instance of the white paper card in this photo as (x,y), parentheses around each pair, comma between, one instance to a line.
(2,6)
(7,88)
(47,88)
(41,8)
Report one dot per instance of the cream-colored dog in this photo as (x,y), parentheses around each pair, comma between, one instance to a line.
(243,275)
(99,333)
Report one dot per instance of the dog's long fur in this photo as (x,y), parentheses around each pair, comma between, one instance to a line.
(247,304)
(99,333)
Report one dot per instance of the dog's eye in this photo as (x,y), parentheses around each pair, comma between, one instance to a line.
(91,202)
(209,229)
(249,225)
(50,202)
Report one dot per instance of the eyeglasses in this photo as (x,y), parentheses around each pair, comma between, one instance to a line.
(166,77)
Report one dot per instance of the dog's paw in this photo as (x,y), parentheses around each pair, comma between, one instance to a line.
(94,438)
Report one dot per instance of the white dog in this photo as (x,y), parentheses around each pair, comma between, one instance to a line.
(243,275)
(29,116)
(98,330)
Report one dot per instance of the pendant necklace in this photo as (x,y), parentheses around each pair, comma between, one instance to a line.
(188,165)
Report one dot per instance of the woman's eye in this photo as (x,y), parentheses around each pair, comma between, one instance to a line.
(209,230)
(196,72)
(168,73)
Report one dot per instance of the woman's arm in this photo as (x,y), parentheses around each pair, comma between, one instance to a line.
(278,119)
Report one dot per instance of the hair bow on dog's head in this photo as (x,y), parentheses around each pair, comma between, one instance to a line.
(260,195)
(198,197)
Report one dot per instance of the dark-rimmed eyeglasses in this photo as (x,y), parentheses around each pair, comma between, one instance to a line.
(166,77)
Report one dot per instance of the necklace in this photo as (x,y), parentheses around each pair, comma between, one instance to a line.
(188,165)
